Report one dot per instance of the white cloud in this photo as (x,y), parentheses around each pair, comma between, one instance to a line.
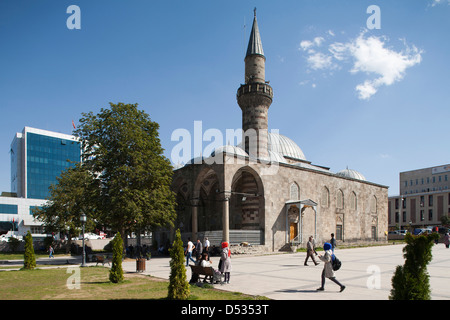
(369,55)
(372,57)
(318,61)
(437,2)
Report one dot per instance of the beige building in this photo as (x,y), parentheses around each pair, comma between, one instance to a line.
(424,198)
(265,192)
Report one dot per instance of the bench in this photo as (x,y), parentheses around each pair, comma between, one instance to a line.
(207,272)
(101,259)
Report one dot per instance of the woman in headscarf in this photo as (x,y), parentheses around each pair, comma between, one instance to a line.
(225,258)
(328,267)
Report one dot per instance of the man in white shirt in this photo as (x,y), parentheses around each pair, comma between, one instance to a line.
(206,245)
(190,247)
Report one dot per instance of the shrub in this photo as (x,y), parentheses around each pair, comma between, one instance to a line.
(178,285)
(29,259)
(411,281)
(116,272)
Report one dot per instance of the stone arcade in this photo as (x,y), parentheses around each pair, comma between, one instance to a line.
(265,192)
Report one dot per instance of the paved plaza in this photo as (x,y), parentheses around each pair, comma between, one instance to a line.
(366,273)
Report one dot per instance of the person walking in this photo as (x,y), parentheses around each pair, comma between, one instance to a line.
(50,252)
(225,259)
(206,246)
(328,268)
(190,247)
(198,250)
(310,251)
(333,242)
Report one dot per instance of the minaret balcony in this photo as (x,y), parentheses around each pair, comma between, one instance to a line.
(255,88)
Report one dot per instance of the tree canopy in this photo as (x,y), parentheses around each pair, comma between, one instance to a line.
(123,180)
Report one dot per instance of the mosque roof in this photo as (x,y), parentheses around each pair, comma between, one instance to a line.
(353,174)
(284,146)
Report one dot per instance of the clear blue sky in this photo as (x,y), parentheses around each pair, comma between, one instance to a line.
(373,100)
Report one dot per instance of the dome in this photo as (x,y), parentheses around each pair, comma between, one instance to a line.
(348,173)
(229,150)
(284,146)
(276,157)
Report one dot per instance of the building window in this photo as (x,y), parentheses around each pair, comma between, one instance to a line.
(294,192)
(339,232)
(32,208)
(373,204)
(430,214)
(397,217)
(8,208)
(340,199)
(430,200)
(353,201)
(325,197)
(404,216)
(37,229)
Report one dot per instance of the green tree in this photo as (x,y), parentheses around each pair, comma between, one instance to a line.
(74,193)
(122,145)
(116,272)
(411,281)
(29,261)
(178,285)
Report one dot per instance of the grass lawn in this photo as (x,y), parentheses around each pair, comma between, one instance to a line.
(52,284)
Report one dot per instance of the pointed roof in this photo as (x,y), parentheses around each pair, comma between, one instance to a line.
(255,44)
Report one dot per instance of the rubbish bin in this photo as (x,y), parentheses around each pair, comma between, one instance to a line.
(140,265)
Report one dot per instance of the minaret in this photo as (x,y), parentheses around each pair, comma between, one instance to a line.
(255,97)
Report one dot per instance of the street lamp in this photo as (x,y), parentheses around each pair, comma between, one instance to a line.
(83,222)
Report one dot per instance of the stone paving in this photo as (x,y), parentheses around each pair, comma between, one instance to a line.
(366,273)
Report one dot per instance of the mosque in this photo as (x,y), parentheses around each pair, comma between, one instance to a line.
(264,192)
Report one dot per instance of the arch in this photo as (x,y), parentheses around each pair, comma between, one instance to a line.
(373,204)
(340,199)
(353,201)
(247,204)
(294,191)
(325,197)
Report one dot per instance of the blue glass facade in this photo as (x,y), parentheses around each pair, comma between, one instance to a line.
(46,158)
(8,208)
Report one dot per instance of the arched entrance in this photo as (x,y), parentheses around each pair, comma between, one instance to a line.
(247,203)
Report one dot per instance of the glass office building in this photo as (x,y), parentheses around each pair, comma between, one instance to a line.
(37,158)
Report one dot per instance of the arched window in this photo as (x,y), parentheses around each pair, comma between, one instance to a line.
(294,192)
(325,197)
(353,201)
(340,199)
(373,204)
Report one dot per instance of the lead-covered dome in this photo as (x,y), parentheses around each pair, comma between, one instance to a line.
(353,174)
(284,146)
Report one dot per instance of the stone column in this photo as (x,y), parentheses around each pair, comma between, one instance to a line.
(226,219)
(194,203)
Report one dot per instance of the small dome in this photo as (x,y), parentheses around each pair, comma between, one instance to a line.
(284,146)
(348,173)
(229,150)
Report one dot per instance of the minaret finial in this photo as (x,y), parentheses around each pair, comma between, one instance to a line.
(254,11)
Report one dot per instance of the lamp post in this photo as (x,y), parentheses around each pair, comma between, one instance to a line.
(83,222)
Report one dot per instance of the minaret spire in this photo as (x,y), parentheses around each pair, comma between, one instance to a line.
(254,43)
